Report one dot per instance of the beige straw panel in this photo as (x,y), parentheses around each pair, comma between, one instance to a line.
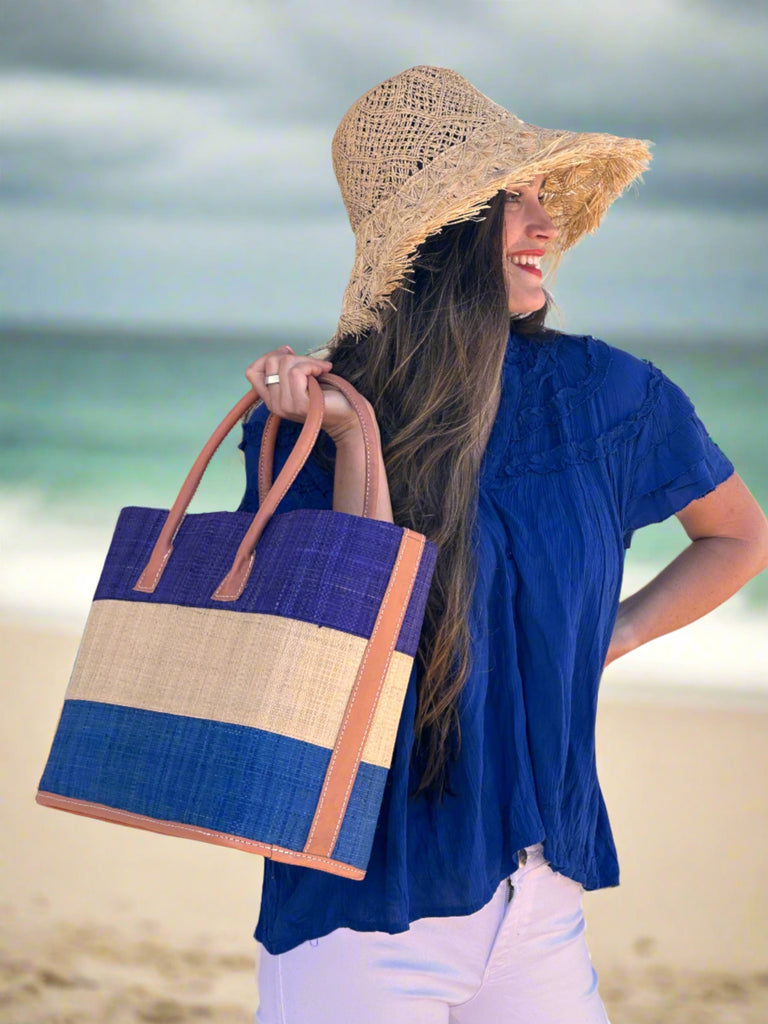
(261,671)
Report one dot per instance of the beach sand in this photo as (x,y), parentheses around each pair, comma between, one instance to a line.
(102,923)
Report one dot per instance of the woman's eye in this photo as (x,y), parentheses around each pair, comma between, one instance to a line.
(515,197)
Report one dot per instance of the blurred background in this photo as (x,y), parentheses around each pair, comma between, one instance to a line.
(168,212)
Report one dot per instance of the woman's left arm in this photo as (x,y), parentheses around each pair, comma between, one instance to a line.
(729,545)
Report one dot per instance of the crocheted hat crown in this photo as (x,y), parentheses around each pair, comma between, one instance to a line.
(394,130)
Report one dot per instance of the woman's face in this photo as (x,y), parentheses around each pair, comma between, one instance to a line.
(527,233)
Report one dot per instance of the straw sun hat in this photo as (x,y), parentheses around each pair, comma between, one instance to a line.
(425,149)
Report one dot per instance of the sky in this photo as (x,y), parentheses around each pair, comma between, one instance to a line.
(167,162)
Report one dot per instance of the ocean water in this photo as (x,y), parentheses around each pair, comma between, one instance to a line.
(92,421)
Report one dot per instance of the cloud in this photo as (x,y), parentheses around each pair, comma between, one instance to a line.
(170,40)
(754,12)
(118,146)
(691,64)
(218,115)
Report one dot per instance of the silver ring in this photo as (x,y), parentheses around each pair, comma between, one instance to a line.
(273,378)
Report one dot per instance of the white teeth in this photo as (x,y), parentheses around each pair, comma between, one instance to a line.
(525,260)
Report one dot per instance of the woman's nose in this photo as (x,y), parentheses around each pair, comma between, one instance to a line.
(540,224)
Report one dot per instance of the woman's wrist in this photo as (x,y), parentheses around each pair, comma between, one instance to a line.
(348,432)
(346,435)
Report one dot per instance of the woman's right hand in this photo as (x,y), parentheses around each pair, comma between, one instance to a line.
(289,397)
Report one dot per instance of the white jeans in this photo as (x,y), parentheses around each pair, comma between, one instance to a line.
(522,960)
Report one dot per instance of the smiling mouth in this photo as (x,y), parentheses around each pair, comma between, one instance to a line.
(528,261)
(528,269)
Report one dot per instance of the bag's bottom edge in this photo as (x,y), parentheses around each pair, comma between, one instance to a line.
(102,812)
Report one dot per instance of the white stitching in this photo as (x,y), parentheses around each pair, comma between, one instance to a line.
(225,433)
(351,700)
(407,535)
(361,416)
(374,705)
(261,450)
(218,594)
(197,830)
(158,574)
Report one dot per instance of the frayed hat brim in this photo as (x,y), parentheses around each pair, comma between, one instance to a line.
(584,173)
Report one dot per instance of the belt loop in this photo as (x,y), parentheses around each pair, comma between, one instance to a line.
(522,857)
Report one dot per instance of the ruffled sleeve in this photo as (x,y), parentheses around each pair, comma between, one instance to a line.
(312,488)
(672,459)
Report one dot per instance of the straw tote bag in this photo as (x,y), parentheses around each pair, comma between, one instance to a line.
(241,678)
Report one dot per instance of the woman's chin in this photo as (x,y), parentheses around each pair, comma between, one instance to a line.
(525,309)
(528,302)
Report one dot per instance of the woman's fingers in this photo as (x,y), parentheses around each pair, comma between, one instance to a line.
(287,396)
(296,392)
(264,366)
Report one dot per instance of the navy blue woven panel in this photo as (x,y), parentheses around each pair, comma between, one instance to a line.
(316,566)
(228,778)
(355,839)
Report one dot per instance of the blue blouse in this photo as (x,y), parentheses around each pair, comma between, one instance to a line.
(589,444)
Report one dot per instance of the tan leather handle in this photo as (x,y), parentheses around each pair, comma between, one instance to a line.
(232,585)
(271,494)
(161,552)
(370,440)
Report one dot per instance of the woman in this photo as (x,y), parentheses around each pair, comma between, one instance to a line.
(529,457)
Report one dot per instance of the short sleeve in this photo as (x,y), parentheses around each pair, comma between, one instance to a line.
(672,459)
(312,488)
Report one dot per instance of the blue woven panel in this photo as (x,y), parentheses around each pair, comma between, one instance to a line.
(332,569)
(228,778)
(355,839)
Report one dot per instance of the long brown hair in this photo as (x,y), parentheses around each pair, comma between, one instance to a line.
(433,375)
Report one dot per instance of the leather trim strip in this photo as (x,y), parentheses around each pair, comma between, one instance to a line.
(173,828)
(361,707)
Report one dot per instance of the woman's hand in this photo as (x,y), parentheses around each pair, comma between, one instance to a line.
(289,398)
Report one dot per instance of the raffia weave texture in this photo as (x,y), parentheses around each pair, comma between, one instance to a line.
(221,722)
(426,148)
(280,676)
